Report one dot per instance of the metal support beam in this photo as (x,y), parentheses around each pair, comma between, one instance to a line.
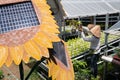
(107,21)
(79,25)
(118,16)
(106,41)
(106,27)
(94,20)
(63,25)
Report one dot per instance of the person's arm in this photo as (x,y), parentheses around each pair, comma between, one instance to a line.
(83,35)
(85,38)
(86,29)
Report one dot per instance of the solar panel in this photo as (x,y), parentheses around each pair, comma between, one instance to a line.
(17,16)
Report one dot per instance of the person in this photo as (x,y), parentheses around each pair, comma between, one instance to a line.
(94,47)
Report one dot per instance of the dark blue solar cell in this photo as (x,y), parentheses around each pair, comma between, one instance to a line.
(17,16)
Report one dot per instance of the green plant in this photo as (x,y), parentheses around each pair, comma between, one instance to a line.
(33,76)
(81,70)
(1,74)
(77,46)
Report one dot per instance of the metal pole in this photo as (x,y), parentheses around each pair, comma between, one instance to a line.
(118,20)
(34,67)
(118,16)
(78,30)
(64,37)
(94,20)
(21,69)
(106,41)
(119,44)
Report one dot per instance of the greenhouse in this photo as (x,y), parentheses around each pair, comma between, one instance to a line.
(59,39)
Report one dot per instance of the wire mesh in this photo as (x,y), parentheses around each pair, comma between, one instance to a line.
(17,16)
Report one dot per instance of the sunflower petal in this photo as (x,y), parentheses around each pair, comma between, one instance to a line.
(44,51)
(49,30)
(8,61)
(26,57)
(50,67)
(56,72)
(3,55)
(32,49)
(62,75)
(43,40)
(48,26)
(44,6)
(16,54)
(48,19)
(53,37)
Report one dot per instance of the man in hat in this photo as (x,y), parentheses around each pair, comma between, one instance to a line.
(94,46)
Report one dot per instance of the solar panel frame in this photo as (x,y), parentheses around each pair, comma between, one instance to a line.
(17,16)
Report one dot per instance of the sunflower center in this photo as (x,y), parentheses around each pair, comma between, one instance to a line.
(19,22)
(17,16)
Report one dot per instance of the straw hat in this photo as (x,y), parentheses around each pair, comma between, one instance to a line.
(90,26)
(96,31)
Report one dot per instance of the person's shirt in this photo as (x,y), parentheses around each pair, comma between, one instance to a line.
(94,41)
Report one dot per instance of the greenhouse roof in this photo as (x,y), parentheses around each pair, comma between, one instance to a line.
(115,29)
(83,8)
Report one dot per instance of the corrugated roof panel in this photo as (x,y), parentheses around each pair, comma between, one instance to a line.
(82,8)
(115,29)
(111,0)
(115,5)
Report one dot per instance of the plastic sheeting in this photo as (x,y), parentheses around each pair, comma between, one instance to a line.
(115,29)
(83,8)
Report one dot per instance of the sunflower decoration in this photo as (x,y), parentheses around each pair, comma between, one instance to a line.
(27,29)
